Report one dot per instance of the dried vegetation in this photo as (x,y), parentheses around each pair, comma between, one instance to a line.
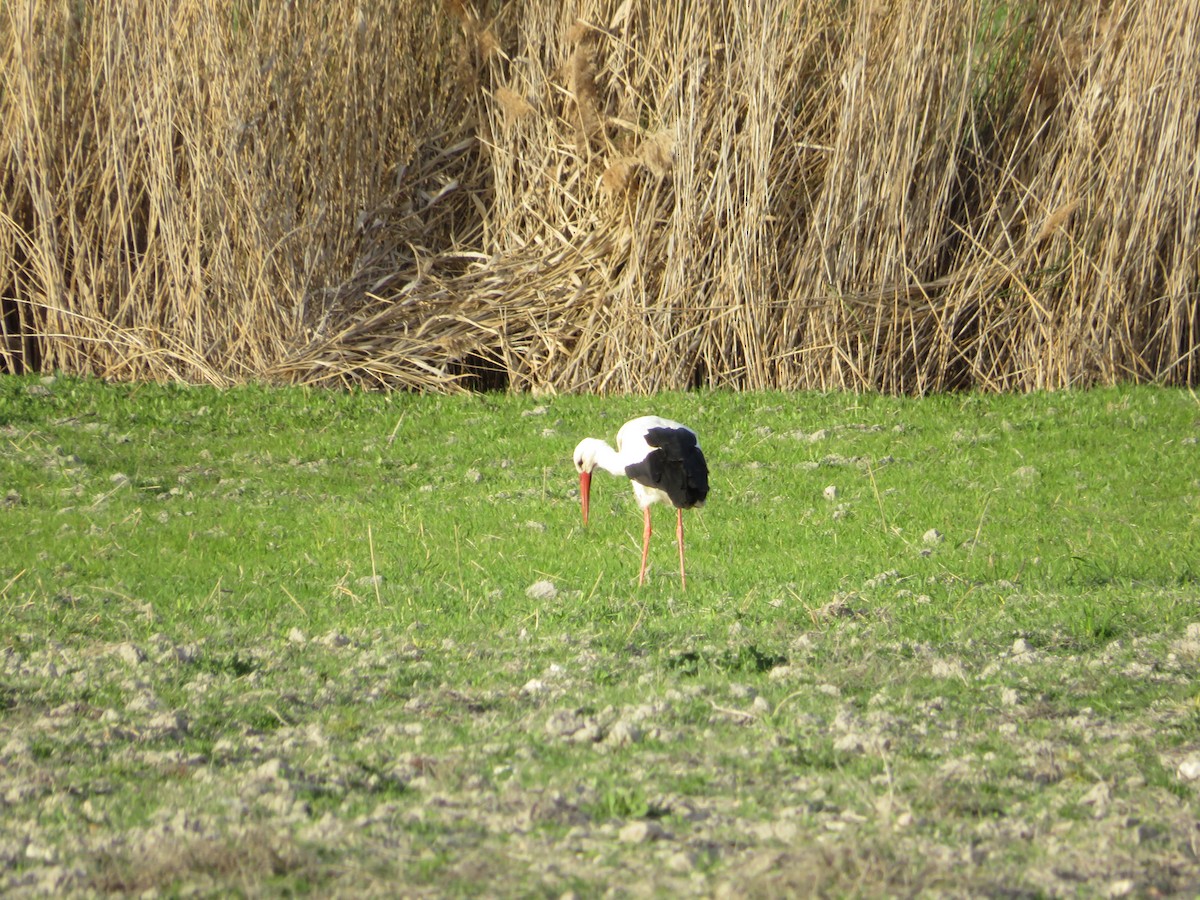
(909,196)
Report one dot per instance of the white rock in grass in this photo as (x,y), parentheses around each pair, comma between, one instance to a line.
(956,769)
(850,742)
(623,733)
(881,579)
(166,725)
(534,686)
(273,769)
(40,852)
(542,590)
(1189,769)
(296,636)
(932,536)
(781,673)
(91,814)
(1098,795)
(563,723)
(590,733)
(641,832)
(947,668)
(1190,645)
(131,654)
(830,493)
(683,861)
(22,792)
(143,701)
(183,653)
(644,712)
(574,728)
(16,748)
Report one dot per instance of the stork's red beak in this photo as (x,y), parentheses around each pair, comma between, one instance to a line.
(585,491)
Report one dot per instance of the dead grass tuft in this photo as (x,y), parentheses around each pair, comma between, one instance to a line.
(909,197)
(616,177)
(513,104)
(657,153)
(866,869)
(183,862)
(582,84)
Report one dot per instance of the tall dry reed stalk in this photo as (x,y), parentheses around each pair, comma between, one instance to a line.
(902,195)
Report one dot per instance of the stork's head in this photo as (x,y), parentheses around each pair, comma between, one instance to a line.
(585,462)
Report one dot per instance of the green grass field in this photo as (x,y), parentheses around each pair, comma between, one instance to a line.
(283,641)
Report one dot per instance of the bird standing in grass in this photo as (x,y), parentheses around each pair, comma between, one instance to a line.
(663,460)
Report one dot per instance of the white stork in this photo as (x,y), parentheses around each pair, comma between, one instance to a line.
(663,460)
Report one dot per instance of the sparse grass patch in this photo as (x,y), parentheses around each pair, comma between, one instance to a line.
(250,643)
(256,859)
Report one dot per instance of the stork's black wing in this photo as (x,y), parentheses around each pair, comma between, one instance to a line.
(674,465)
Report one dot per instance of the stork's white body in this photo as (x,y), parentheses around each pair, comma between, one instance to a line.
(663,461)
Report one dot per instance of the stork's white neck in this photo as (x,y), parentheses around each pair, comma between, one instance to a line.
(593,452)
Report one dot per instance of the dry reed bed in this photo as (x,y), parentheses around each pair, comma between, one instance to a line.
(612,196)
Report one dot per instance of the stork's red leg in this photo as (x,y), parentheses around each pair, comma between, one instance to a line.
(679,537)
(645,545)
